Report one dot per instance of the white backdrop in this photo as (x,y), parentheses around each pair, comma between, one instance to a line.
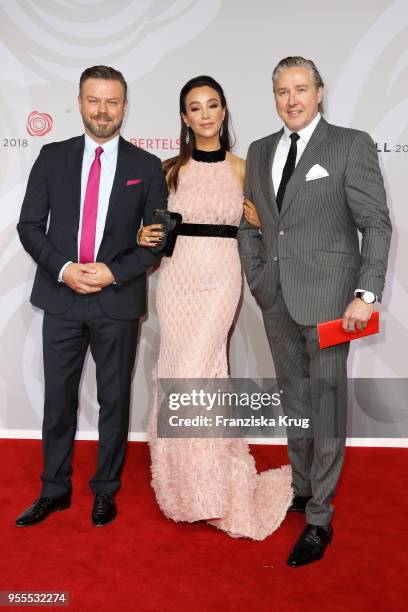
(361,51)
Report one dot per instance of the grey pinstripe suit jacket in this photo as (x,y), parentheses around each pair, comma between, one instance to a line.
(312,246)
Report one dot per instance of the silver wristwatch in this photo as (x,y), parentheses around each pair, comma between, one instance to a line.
(368,297)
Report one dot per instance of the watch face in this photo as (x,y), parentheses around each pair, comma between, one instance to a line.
(368,297)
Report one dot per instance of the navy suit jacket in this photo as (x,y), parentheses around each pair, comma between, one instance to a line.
(53,195)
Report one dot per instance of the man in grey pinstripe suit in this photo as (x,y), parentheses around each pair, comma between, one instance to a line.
(315,186)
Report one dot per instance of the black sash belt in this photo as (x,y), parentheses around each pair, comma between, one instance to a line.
(207,229)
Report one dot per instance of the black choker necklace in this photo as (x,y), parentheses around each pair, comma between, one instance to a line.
(209,156)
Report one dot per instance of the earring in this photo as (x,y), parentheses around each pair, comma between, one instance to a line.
(188,134)
(221,130)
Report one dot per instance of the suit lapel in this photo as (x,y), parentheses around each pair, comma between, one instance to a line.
(123,171)
(267,155)
(74,174)
(307,159)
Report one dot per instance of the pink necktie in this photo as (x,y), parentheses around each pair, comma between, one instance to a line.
(87,247)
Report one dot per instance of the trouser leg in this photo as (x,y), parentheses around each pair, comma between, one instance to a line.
(328,376)
(65,342)
(113,345)
(291,361)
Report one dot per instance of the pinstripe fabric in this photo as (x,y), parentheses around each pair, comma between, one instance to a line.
(312,246)
(302,270)
(314,385)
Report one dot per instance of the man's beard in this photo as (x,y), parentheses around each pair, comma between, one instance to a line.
(103,131)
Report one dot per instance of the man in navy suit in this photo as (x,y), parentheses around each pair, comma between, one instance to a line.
(94,190)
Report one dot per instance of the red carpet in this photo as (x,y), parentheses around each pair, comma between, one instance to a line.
(144,562)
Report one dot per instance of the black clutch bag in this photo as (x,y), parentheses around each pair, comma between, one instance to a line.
(170,221)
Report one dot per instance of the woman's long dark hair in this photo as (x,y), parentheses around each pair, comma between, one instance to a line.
(172,166)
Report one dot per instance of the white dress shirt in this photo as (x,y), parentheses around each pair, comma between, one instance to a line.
(283,147)
(108,159)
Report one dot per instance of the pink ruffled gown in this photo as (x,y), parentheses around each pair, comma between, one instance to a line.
(212,479)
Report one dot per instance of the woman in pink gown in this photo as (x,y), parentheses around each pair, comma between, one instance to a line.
(199,287)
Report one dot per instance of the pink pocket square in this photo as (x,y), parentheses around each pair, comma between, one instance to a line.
(133,182)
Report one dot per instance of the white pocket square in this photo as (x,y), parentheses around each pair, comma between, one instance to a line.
(316,172)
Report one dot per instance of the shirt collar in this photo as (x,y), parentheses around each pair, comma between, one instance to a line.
(110,148)
(306,133)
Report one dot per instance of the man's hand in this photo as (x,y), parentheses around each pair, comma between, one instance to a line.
(81,278)
(102,275)
(357,315)
(87,278)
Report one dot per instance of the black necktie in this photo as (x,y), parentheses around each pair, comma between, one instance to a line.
(288,169)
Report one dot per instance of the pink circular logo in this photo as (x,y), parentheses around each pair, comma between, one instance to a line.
(39,124)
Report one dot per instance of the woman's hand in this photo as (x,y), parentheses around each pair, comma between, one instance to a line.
(250,213)
(150,235)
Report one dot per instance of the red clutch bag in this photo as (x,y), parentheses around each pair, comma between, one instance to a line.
(332,332)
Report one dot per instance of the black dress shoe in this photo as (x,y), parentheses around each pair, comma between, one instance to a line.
(104,510)
(299,503)
(41,508)
(311,545)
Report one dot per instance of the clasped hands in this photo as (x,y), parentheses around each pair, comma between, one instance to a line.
(87,278)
